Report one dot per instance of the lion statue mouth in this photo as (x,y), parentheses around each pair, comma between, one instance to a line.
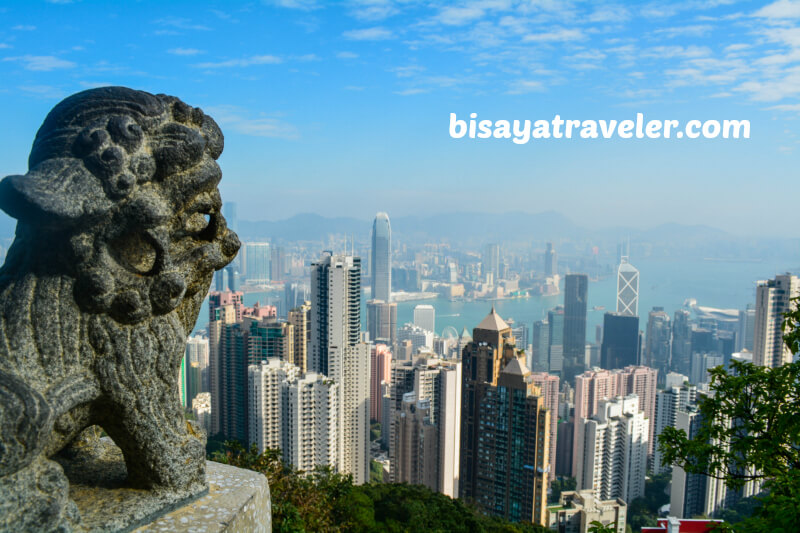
(119,232)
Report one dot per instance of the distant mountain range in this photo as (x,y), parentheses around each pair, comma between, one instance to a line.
(474,229)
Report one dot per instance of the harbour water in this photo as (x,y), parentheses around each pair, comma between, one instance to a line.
(666,284)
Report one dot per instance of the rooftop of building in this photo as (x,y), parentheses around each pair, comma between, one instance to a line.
(493,322)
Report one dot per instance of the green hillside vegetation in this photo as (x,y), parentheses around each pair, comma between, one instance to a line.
(326,501)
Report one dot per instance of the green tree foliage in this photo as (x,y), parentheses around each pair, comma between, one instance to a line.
(644,511)
(598,527)
(560,485)
(762,442)
(325,501)
(375,431)
(375,472)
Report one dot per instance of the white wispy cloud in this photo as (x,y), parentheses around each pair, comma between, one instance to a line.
(525,87)
(24,27)
(346,55)
(4,46)
(41,63)
(407,71)
(241,121)
(304,5)
(372,10)
(242,62)
(378,33)
(610,13)
(782,9)
(95,84)
(558,35)
(184,51)
(411,92)
(43,91)
(459,15)
(181,24)
(692,30)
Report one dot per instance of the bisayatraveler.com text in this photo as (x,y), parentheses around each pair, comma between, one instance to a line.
(523,131)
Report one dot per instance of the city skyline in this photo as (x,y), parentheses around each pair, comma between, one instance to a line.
(320,101)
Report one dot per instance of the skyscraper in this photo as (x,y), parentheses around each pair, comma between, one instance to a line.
(336,352)
(382,321)
(257,262)
(613,450)
(773,299)
(491,262)
(264,393)
(681,359)
(491,348)
(621,343)
(550,260)
(380,373)
(576,288)
(513,447)
(658,342)
(555,319)
(548,385)
(627,289)
(311,433)
(694,494)
(541,346)
(593,386)
(277,263)
(432,385)
(300,318)
(668,403)
(425,317)
(381,258)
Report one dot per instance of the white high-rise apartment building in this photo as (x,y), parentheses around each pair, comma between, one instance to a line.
(420,338)
(297,414)
(311,422)
(257,262)
(668,403)
(438,383)
(773,299)
(594,386)
(425,317)
(627,289)
(336,352)
(264,383)
(613,450)
(694,494)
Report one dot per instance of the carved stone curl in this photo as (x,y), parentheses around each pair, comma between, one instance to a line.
(119,232)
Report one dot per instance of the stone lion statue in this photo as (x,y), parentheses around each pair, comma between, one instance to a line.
(118,234)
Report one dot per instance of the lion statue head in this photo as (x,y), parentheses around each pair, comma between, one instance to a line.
(130,180)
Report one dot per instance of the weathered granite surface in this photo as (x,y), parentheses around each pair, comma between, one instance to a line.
(118,234)
(238,501)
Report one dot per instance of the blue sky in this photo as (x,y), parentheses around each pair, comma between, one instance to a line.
(342,108)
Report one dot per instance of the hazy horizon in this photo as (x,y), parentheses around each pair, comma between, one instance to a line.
(343,109)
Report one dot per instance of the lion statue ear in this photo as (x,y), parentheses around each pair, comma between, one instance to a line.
(56,191)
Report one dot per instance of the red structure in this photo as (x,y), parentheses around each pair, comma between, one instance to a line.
(681,525)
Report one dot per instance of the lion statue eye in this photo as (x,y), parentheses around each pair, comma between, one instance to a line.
(197,223)
(135,253)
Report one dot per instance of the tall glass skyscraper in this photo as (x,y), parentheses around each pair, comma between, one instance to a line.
(381,258)
(576,287)
(627,289)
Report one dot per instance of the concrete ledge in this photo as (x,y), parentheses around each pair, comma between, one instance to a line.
(238,500)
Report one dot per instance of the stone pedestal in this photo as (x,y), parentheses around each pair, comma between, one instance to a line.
(236,500)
